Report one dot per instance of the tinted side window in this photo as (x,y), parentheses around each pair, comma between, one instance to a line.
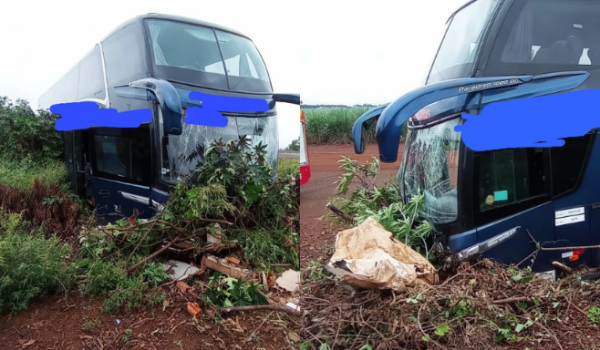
(91,76)
(508,179)
(540,36)
(567,163)
(124,155)
(123,55)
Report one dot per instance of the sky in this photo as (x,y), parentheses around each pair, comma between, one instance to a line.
(331,52)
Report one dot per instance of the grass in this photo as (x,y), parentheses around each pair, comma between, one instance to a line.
(334,125)
(22,174)
(288,167)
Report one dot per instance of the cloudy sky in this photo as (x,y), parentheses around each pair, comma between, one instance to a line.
(329,51)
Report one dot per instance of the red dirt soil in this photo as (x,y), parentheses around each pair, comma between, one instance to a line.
(57,323)
(316,236)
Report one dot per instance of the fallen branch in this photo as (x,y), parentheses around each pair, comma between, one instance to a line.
(156,253)
(510,300)
(562,266)
(340,213)
(271,307)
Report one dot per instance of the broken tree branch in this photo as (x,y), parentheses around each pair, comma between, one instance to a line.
(562,266)
(510,300)
(340,213)
(271,307)
(156,253)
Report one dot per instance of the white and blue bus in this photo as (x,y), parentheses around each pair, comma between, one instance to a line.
(153,62)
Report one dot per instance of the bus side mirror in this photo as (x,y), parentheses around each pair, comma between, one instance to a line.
(361,127)
(151,89)
(129,92)
(287,98)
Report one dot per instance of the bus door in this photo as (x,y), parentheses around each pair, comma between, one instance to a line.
(121,173)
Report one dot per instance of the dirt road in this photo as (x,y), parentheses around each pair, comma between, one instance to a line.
(316,237)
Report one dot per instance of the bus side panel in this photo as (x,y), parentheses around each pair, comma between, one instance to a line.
(586,196)
(116,200)
(540,223)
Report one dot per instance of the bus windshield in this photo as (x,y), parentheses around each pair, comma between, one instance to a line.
(184,153)
(431,168)
(206,57)
(456,54)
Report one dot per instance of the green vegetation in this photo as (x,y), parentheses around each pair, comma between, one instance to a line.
(384,204)
(39,216)
(334,125)
(25,135)
(30,264)
(22,173)
(226,291)
(288,167)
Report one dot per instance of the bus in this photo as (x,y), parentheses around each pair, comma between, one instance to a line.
(304,163)
(496,204)
(153,62)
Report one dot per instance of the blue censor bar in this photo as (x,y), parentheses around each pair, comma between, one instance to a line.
(84,115)
(212,106)
(531,122)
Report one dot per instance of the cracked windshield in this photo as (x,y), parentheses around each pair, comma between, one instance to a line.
(432,169)
(185,152)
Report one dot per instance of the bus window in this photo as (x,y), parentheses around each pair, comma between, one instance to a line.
(124,156)
(457,51)
(541,36)
(508,177)
(242,60)
(567,163)
(123,56)
(91,76)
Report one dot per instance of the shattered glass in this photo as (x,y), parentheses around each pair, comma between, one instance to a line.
(186,151)
(431,167)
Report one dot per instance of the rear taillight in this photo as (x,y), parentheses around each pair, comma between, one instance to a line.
(304,163)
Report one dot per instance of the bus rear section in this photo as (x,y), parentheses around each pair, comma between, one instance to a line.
(498,203)
(304,162)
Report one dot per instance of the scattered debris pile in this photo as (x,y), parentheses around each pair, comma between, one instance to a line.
(376,292)
(229,225)
(483,306)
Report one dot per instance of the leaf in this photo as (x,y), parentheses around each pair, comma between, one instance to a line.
(425,337)
(442,330)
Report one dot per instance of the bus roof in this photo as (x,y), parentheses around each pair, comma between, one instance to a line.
(187,20)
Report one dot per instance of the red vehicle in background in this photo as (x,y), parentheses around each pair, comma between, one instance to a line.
(304,163)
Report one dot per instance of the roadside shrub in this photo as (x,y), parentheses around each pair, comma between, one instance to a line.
(42,204)
(124,292)
(24,134)
(21,174)
(30,264)
(266,247)
(288,168)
